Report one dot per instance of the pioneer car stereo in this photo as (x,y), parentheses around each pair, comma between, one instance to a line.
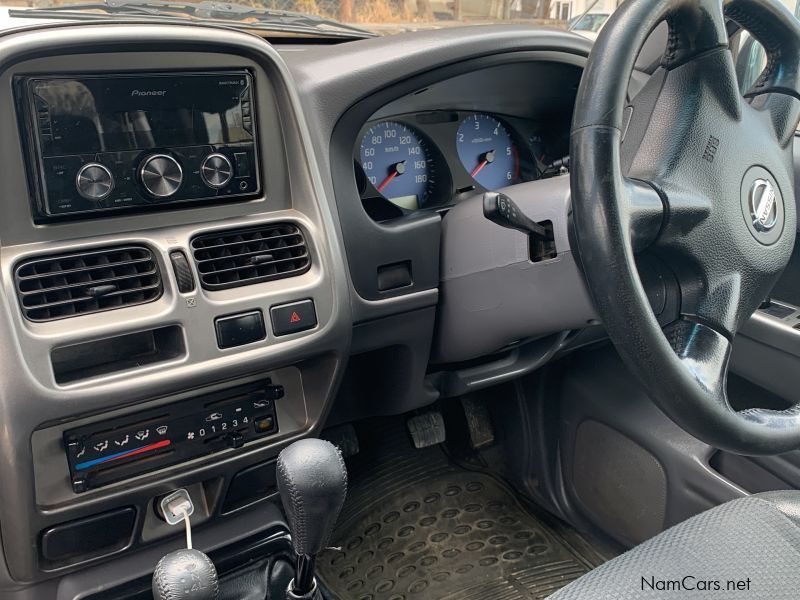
(99,143)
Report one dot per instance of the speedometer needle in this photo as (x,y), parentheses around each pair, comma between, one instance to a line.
(396,169)
(484,159)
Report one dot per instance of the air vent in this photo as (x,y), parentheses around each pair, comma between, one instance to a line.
(68,285)
(228,259)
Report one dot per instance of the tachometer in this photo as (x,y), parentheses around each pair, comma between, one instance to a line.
(487,151)
(397,162)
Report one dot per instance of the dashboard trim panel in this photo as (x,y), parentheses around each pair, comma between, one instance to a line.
(32,400)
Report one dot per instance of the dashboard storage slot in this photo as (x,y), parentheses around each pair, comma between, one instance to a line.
(394,276)
(83,539)
(250,485)
(80,283)
(233,258)
(115,354)
(118,449)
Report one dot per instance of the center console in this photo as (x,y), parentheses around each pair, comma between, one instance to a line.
(99,143)
(174,299)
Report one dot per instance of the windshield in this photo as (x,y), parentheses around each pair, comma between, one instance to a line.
(376,17)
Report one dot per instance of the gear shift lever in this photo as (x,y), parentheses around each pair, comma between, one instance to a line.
(312,480)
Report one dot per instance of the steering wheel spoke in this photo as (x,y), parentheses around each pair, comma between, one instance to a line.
(716,301)
(777,89)
(645,213)
(695,28)
(704,354)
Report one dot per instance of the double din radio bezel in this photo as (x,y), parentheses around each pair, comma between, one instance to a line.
(34,159)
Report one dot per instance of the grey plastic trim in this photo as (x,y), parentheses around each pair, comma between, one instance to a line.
(767,352)
(778,333)
(518,362)
(598,387)
(29,397)
(492,294)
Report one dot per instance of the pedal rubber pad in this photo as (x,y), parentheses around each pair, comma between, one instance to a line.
(481,432)
(427,429)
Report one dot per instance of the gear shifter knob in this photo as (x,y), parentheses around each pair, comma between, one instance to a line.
(185,575)
(312,480)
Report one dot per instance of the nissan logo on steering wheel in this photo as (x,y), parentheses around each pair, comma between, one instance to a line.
(763,208)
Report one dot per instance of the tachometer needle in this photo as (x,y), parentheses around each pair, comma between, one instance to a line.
(484,159)
(396,169)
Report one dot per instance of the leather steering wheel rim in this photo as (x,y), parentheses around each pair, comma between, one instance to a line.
(721,164)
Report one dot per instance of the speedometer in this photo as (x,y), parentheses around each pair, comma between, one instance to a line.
(397,162)
(487,151)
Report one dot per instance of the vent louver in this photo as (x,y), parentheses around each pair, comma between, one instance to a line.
(80,283)
(233,258)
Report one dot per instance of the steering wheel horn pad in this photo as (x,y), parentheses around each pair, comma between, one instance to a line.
(721,163)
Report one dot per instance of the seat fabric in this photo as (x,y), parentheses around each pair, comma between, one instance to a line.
(746,548)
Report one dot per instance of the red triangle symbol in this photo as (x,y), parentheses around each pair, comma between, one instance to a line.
(295,318)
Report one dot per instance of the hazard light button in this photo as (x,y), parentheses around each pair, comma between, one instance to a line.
(294,317)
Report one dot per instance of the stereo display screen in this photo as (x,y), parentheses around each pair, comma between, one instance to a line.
(112,114)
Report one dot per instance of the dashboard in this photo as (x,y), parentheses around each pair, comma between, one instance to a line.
(211,246)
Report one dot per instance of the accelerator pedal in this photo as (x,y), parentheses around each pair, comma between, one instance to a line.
(426,429)
(481,432)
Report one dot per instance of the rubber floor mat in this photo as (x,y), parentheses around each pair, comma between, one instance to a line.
(417,526)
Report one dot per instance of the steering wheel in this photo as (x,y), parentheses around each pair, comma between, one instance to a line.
(721,164)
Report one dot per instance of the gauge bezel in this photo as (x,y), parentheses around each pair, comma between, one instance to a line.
(512,135)
(375,203)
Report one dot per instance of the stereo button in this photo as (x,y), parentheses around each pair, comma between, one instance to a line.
(242,164)
(161,175)
(216,171)
(94,181)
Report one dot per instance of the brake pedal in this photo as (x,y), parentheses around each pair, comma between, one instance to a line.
(481,432)
(427,429)
(343,437)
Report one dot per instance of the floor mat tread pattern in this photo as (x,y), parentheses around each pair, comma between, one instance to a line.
(416,526)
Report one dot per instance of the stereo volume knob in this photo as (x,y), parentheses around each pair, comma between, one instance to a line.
(216,171)
(94,181)
(161,175)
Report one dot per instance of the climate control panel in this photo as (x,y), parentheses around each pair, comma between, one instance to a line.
(114,450)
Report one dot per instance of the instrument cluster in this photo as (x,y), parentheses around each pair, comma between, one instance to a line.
(431,160)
